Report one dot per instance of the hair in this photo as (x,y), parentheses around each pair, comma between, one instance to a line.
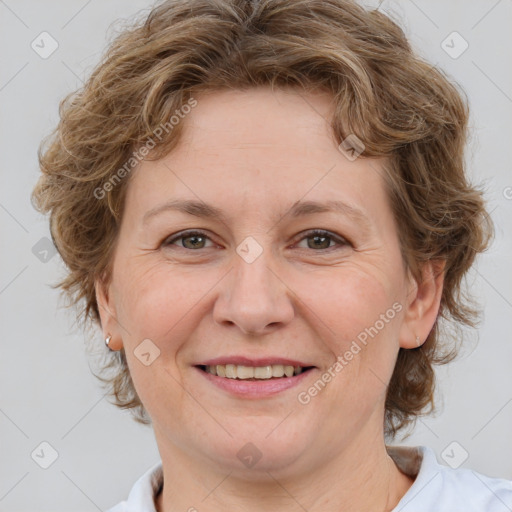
(399,105)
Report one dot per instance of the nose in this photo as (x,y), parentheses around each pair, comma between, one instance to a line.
(254,297)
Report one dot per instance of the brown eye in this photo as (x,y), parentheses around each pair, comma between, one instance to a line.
(190,240)
(318,240)
(321,240)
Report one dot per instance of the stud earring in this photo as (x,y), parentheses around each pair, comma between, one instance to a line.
(418,341)
(107,341)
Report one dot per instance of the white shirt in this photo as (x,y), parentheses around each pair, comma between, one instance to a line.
(437,488)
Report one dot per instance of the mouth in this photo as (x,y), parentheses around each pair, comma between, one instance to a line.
(254,378)
(254,373)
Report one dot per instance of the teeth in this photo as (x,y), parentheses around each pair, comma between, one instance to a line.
(263,372)
(245,372)
(277,370)
(233,371)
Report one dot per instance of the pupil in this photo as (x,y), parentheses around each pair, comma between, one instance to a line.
(194,237)
(318,237)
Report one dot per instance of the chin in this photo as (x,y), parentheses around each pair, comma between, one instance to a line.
(264,446)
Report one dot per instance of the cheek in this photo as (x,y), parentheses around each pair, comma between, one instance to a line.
(348,301)
(158,302)
(155,302)
(356,311)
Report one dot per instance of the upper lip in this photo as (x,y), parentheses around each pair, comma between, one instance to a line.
(260,361)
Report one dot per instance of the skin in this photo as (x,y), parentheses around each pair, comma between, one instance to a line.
(253,154)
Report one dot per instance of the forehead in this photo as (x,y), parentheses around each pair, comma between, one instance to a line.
(245,150)
(257,114)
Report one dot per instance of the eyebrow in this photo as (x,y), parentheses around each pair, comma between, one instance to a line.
(298,209)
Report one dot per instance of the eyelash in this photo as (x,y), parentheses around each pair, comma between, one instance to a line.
(308,234)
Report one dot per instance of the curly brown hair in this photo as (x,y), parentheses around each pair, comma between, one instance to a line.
(402,107)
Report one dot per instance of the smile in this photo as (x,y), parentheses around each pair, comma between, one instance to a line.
(254,382)
(242,372)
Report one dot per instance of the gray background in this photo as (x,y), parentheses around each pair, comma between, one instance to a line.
(47,391)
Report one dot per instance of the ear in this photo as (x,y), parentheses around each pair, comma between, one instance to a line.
(422,308)
(107,311)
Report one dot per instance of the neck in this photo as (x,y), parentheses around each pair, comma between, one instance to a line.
(361,477)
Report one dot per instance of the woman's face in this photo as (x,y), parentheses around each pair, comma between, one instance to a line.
(256,286)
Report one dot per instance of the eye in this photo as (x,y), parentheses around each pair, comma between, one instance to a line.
(197,239)
(322,239)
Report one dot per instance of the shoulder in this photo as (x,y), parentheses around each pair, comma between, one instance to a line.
(444,489)
(142,494)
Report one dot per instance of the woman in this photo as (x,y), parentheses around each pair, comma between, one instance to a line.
(263,205)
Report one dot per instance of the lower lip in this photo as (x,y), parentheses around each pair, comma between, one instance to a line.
(255,388)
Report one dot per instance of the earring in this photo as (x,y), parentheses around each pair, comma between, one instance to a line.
(418,341)
(107,341)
